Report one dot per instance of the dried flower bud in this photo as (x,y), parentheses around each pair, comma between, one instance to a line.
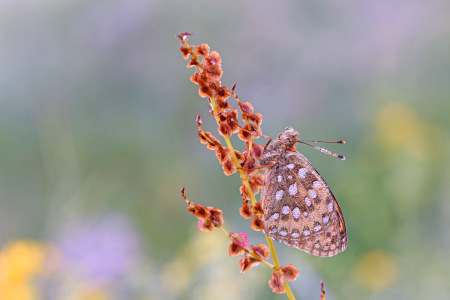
(246,108)
(256,224)
(245,210)
(203,136)
(239,239)
(222,154)
(215,216)
(256,118)
(229,167)
(239,156)
(222,105)
(277,283)
(205,225)
(234,125)
(222,93)
(214,72)
(185,51)
(258,209)
(244,134)
(244,192)
(201,212)
(246,263)
(204,90)
(225,129)
(238,242)
(193,63)
(258,180)
(228,116)
(207,138)
(199,78)
(223,116)
(194,78)
(290,272)
(235,249)
(261,250)
(255,188)
(253,128)
(198,120)
(250,167)
(202,50)
(191,209)
(214,58)
(257,150)
(183,36)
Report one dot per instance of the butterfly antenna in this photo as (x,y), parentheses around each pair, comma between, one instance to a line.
(333,142)
(323,150)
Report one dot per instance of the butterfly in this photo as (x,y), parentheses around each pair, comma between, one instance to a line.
(299,208)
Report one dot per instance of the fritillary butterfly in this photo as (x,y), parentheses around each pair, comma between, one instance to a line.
(299,208)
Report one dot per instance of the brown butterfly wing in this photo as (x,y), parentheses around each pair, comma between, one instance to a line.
(300,209)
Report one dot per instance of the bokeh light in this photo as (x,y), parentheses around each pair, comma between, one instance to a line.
(376,271)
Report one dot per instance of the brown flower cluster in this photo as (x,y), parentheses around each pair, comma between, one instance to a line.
(208,217)
(290,273)
(207,76)
(253,255)
(246,124)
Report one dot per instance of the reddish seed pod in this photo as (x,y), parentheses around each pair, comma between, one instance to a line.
(277,283)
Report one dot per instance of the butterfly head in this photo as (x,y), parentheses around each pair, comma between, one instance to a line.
(288,137)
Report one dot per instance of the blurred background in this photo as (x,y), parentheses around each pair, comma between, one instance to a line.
(98,135)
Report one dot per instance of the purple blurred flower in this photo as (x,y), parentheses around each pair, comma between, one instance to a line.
(102,250)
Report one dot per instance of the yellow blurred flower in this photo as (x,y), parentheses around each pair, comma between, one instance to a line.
(19,262)
(399,126)
(376,271)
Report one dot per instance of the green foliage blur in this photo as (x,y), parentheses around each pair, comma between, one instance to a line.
(98,136)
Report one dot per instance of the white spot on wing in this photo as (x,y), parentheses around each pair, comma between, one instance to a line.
(317,184)
(330,206)
(308,201)
(312,194)
(283,232)
(326,219)
(296,213)
(295,235)
(302,173)
(274,230)
(280,178)
(293,189)
(305,213)
(290,166)
(279,195)
(285,210)
(274,217)
(317,228)
(306,232)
